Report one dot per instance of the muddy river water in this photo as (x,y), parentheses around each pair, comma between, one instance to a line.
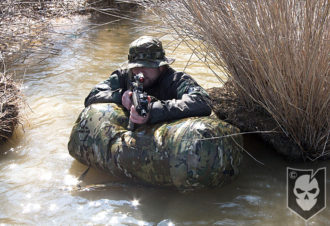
(38,177)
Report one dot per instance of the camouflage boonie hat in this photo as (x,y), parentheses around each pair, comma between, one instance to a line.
(146,51)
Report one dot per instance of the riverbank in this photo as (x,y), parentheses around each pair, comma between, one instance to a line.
(25,29)
(25,25)
(227,107)
(10,99)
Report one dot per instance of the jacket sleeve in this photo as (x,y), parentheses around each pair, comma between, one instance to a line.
(192,100)
(108,91)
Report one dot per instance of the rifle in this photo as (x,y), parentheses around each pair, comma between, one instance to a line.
(139,98)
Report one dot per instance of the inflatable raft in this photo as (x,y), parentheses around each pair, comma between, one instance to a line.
(187,153)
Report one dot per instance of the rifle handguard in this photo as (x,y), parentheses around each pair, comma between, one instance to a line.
(139,98)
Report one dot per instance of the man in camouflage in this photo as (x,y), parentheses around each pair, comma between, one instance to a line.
(186,153)
(172,95)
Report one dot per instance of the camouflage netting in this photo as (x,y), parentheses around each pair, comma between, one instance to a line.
(182,153)
(9,105)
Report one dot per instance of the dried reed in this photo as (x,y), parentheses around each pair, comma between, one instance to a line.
(10,101)
(275,51)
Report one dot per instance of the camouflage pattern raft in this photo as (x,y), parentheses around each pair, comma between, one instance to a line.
(181,153)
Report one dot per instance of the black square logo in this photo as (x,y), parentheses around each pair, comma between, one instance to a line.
(306,191)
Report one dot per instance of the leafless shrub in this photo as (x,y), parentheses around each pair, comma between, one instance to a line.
(276,52)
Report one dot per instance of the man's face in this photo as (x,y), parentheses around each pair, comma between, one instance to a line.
(150,75)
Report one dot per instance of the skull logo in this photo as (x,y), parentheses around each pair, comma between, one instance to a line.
(306,192)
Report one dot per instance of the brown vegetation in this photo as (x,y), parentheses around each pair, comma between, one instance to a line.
(228,107)
(24,25)
(24,29)
(9,106)
(275,51)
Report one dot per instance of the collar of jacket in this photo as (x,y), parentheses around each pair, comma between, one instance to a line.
(168,71)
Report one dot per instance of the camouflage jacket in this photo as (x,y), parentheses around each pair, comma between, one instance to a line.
(175,95)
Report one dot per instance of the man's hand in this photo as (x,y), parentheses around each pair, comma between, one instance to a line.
(126,99)
(136,118)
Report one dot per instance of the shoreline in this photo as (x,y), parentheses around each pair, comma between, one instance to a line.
(10,101)
(227,107)
(25,29)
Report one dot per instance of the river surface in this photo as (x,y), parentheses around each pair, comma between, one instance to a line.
(38,177)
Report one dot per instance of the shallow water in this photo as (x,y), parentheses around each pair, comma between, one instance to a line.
(38,177)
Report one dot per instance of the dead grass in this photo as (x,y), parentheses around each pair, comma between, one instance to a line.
(10,100)
(25,29)
(24,25)
(275,51)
